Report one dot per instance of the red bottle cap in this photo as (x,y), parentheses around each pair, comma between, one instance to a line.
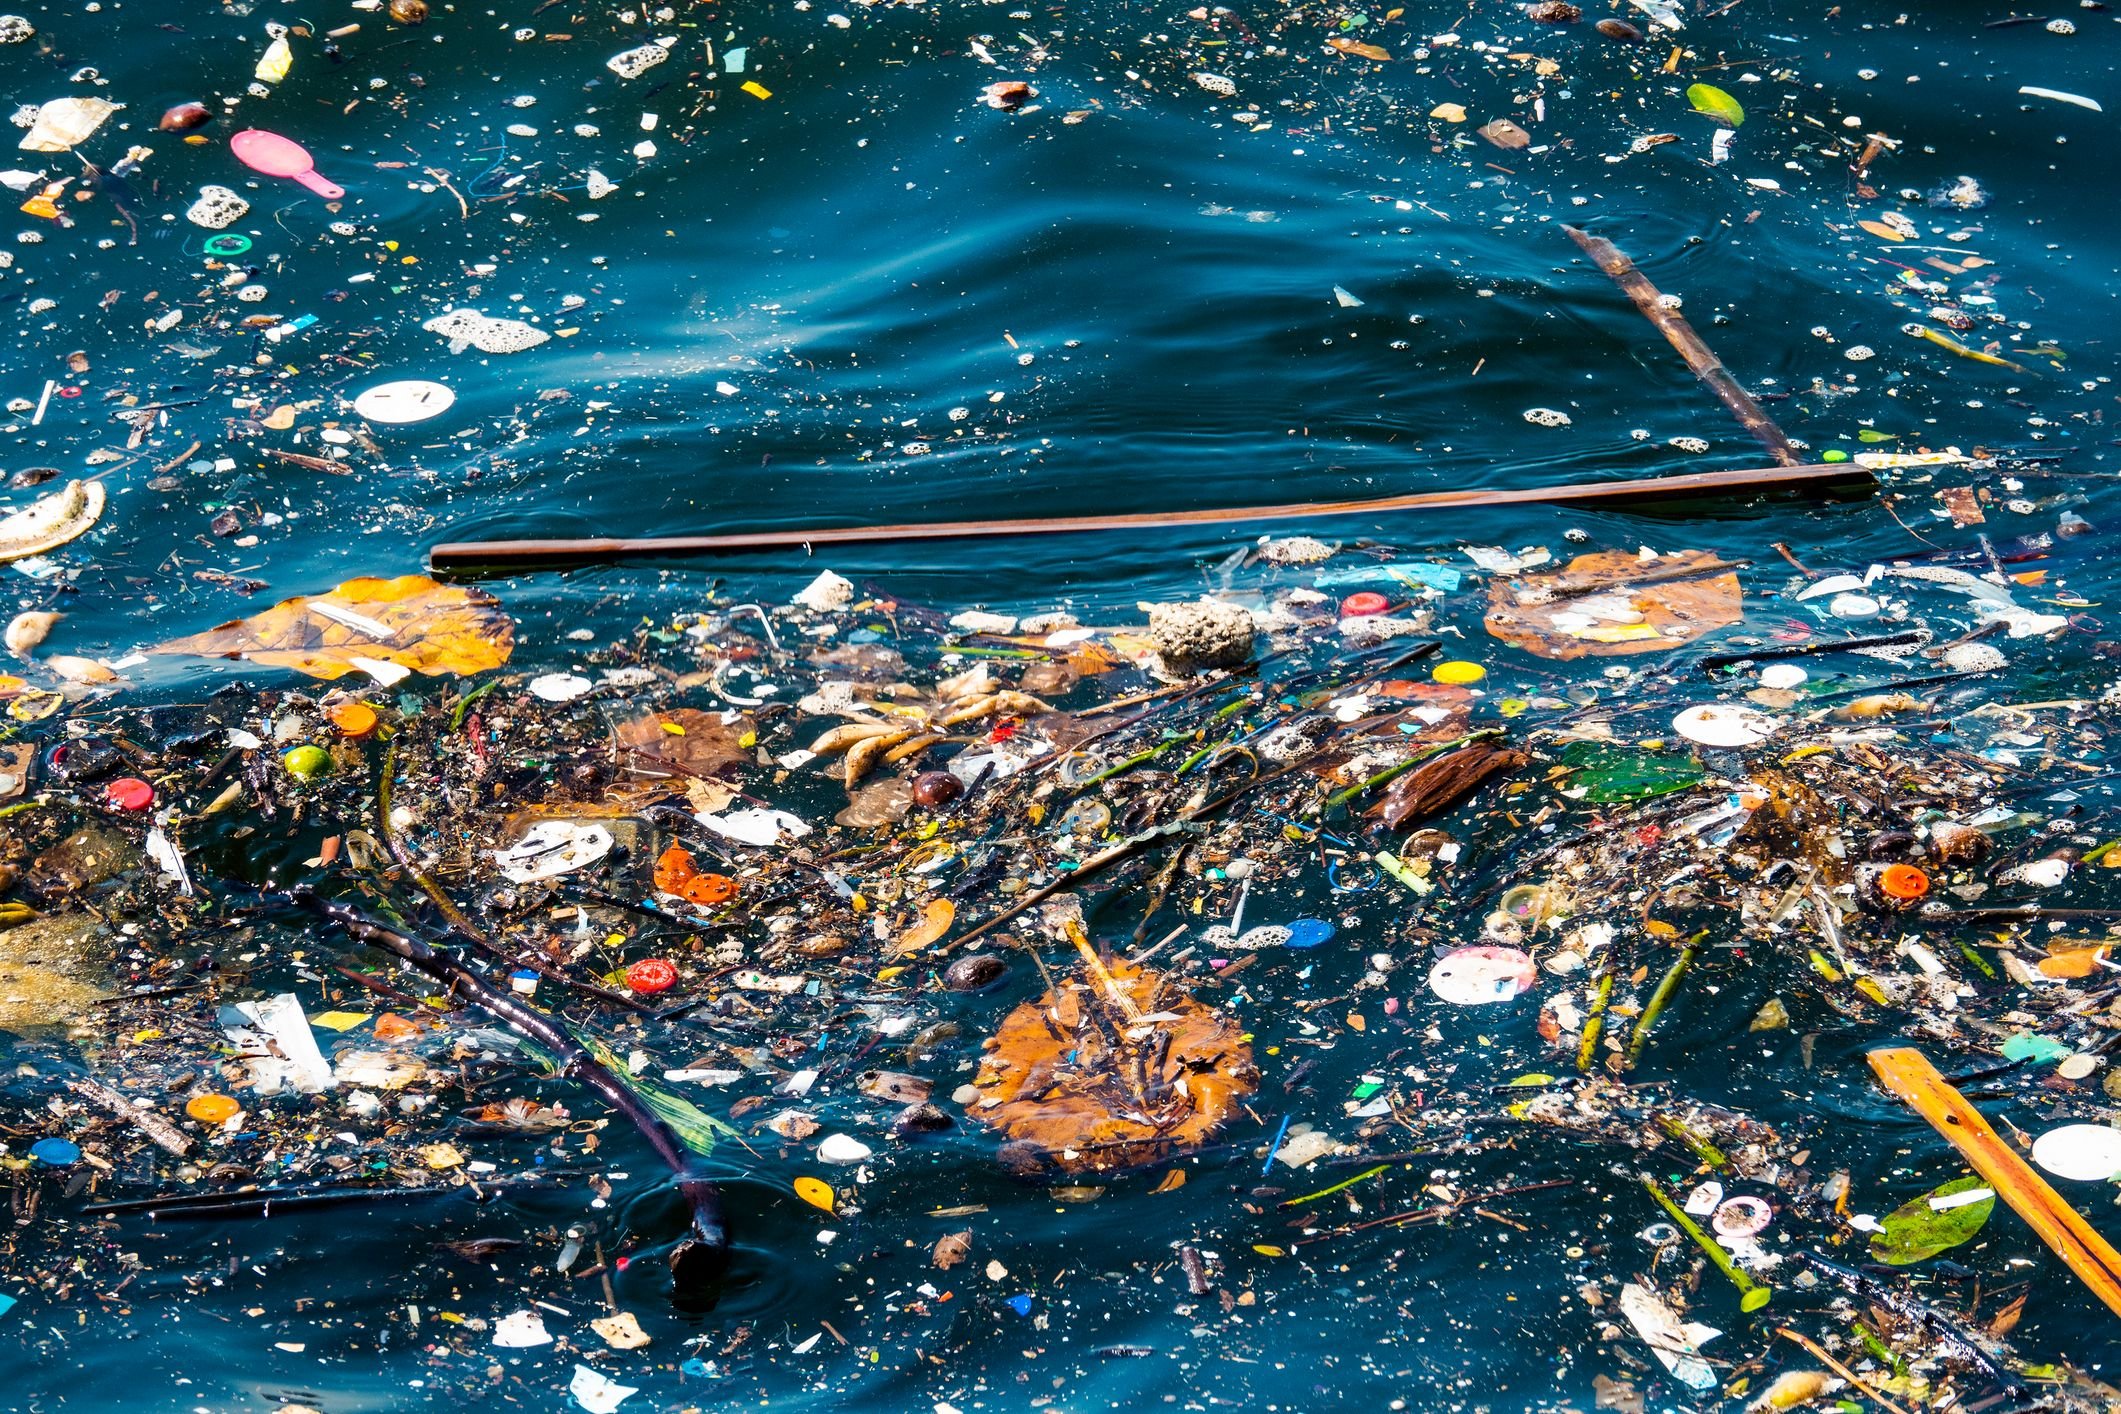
(652,974)
(1361,606)
(129,793)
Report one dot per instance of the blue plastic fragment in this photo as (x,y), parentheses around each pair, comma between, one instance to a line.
(7,1303)
(1309,932)
(56,1152)
(696,1367)
(1021,1304)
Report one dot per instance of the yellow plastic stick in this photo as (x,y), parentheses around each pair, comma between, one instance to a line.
(1908,1074)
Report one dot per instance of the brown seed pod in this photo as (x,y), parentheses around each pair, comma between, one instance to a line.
(1620,30)
(186,116)
(974,971)
(409,12)
(936,788)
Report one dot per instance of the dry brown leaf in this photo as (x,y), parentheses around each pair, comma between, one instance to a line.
(412,621)
(1882,231)
(1360,50)
(1084,1085)
(1611,602)
(1964,505)
(689,742)
(1504,133)
(1440,783)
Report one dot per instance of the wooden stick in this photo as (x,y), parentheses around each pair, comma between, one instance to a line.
(532,554)
(1840,1369)
(1650,300)
(1908,1074)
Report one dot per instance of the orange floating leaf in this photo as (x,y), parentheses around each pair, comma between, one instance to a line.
(1374,52)
(411,621)
(815,1191)
(1613,602)
(1113,1073)
(935,921)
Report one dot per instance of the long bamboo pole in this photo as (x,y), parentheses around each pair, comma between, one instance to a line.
(1709,368)
(1813,478)
(1908,1074)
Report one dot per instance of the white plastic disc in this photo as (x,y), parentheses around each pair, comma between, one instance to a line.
(1724,724)
(1853,606)
(559,687)
(1783,675)
(2089,1153)
(1481,974)
(411,400)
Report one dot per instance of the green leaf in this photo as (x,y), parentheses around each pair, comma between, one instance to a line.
(698,1130)
(1611,775)
(1709,99)
(1915,1231)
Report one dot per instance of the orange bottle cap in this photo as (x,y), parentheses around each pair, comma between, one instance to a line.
(1903,881)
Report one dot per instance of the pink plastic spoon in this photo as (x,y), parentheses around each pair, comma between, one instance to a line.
(277,156)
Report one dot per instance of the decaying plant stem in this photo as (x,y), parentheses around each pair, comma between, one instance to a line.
(707,1252)
(1707,367)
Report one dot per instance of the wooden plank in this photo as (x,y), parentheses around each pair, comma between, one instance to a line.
(1813,479)
(1908,1074)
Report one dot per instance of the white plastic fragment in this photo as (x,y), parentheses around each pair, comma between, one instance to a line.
(842,1149)
(632,63)
(277,1045)
(64,122)
(551,848)
(2057,95)
(2084,1153)
(1723,724)
(827,592)
(1547,417)
(520,1330)
(559,687)
(403,401)
(755,827)
(217,208)
(598,1393)
(1676,1346)
(468,328)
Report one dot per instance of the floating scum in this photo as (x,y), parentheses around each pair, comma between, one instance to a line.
(802,907)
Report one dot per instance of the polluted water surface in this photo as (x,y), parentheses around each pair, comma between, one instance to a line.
(511,889)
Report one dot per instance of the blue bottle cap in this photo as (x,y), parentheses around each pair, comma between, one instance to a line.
(56,1152)
(1309,932)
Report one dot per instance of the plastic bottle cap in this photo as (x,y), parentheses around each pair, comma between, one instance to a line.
(353,719)
(1458,674)
(129,793)
(1363,605)
(652,974)
(212,1109)
(56,1152)
(1903,881)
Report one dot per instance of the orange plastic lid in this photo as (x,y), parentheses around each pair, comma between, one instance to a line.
(1903,881)
(353,719)
(710,888)
(212,1109)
